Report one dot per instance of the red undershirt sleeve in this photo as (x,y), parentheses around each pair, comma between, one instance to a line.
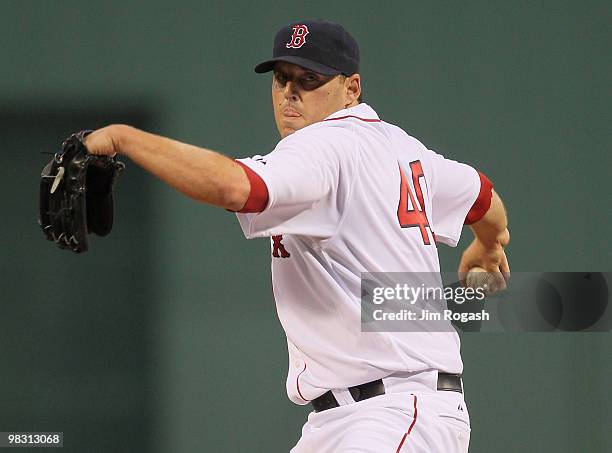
(258,196)
(483,201)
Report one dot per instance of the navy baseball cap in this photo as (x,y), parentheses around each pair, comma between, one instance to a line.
(318,45)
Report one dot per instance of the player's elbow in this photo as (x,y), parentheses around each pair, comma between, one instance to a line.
(234,196)
(225,196)
(228,188)
(493,226)
(504,237)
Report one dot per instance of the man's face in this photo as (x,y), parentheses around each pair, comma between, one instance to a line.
(302,97)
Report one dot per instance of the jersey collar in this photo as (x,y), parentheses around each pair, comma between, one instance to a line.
(361,112)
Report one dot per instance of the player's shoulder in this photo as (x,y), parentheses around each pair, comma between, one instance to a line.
(399,134)
(327,129)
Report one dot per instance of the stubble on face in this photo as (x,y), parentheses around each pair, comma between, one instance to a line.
(302,97)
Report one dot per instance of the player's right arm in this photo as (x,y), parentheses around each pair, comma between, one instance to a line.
(199,173)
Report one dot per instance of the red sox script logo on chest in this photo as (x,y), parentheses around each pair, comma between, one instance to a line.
(298,39)
(278,249)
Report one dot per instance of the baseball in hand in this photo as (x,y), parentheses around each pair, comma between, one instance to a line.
(490,282)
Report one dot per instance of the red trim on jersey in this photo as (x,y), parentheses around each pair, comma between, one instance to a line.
(297,384)
(482,203)
(258,196)
(367,120)
(407,433)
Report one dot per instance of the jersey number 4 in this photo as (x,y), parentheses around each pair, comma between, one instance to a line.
(409,213)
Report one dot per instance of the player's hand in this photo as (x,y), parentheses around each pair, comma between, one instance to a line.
(104,142)
(490,258)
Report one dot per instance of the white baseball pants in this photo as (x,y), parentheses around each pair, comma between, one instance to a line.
(425,422)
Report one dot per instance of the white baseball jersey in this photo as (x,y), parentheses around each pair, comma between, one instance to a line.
(347,195)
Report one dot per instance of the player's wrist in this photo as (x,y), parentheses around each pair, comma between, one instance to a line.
(121,136)
(489,257)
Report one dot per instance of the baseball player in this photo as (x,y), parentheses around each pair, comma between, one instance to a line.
(342,193)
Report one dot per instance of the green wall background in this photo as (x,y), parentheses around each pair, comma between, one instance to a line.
(521,90)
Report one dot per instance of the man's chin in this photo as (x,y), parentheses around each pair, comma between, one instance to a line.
(288,129)
(288,125)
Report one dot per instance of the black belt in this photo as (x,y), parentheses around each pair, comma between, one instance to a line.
(446,382)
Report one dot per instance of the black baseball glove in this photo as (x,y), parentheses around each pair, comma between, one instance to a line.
(76,194)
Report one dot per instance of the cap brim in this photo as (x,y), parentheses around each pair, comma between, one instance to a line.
(268,66)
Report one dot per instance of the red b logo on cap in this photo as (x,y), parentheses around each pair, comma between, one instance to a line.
(298,39)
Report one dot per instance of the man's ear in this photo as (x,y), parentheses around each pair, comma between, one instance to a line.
(353,88)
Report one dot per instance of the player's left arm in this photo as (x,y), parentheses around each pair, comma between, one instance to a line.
(199,173)
(491,236)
